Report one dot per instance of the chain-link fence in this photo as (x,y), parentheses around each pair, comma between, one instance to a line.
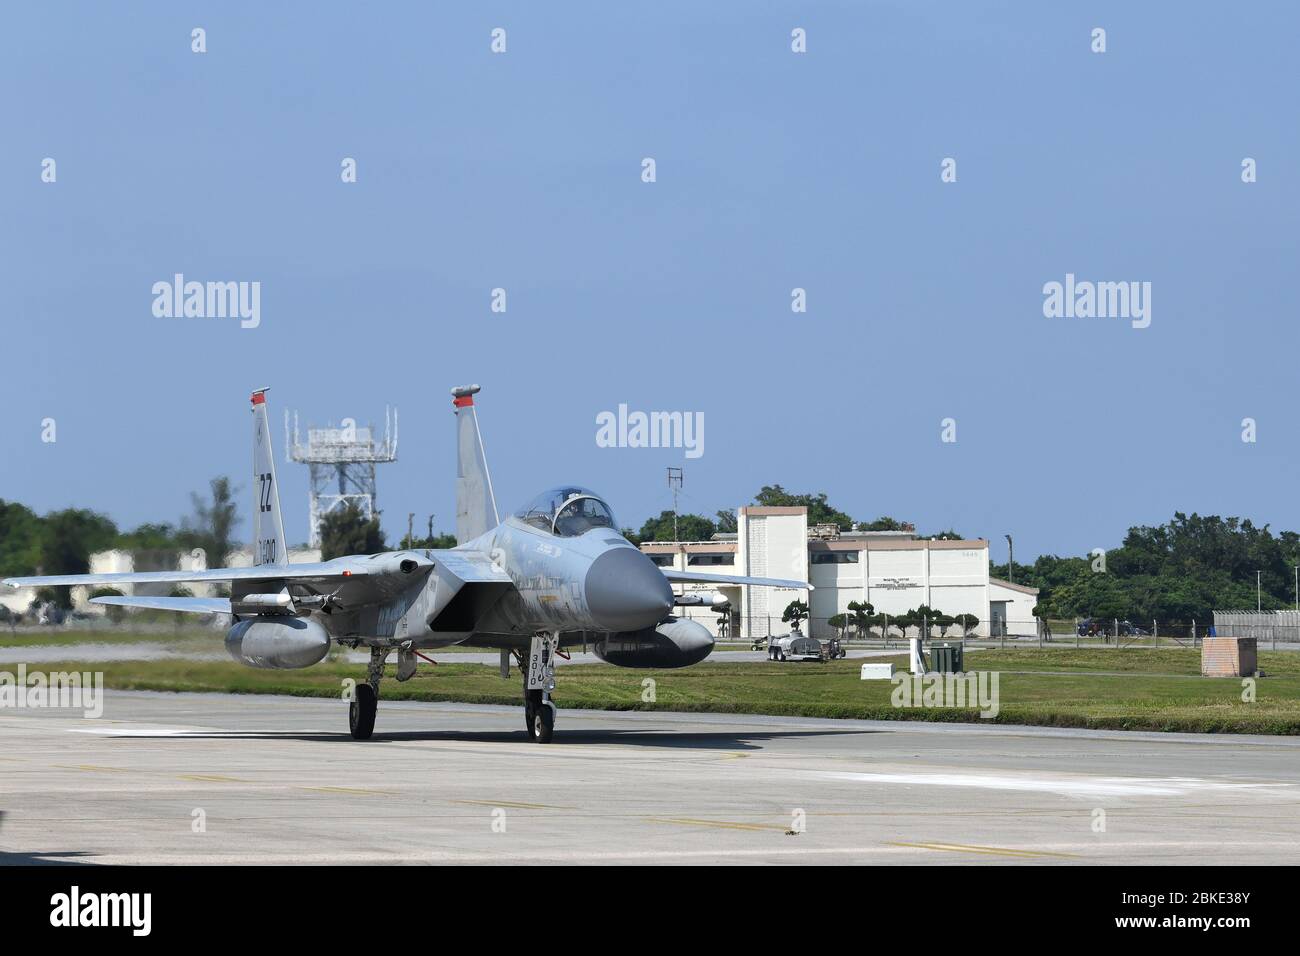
(1035,632)
(1269,628)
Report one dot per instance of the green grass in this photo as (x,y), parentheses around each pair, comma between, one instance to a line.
(55,637)
(1122,690)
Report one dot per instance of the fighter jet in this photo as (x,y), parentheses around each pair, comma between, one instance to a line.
(554,574)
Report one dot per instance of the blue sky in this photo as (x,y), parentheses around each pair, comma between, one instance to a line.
(774,171)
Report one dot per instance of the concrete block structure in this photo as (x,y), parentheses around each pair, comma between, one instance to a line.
(1229,657)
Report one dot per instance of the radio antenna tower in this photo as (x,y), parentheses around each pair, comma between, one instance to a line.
(342,465)
(675,483)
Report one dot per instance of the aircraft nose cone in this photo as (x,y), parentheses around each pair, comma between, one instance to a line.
(626,592)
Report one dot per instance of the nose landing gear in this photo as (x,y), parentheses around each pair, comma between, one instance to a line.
(539,681)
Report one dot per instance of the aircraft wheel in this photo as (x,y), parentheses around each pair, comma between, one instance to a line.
(361,712)
(541,718)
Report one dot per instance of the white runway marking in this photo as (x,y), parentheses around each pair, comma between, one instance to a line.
(1068,786)
(160,732)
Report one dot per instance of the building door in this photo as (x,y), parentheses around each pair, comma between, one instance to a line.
(998,618)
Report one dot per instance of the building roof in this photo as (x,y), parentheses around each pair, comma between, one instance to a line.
(832,544)
(1014,587)
(690,547)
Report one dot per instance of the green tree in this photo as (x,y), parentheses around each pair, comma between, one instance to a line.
(212,524)
(885,523)
(903,621)
(437,542)
(151,537)
(794,614)
(345,531)
(861,613)
(20,539)
(924,616)
(689,528)
(432,541)
(68,539)
(1174,572)
(819,510)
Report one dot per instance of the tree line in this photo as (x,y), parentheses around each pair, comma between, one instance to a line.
(62,541)
(692,527)
(1177,571)
(862,616)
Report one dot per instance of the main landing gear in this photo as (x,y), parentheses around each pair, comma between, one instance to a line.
(365,700)
(539,681)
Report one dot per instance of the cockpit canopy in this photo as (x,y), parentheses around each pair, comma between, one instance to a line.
(567,511)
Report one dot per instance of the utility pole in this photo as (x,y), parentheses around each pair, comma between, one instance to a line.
(675,483)
(1297,587)
(410,529)
(430,527)
(1259,600)
(1011,560)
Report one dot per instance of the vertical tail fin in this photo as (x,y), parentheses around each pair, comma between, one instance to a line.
(268,526)
(476,506)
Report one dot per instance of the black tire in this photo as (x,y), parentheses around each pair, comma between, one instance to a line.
(780,656)
(361,712)
(540,716)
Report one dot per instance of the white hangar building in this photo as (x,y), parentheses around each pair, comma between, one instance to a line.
(892,570)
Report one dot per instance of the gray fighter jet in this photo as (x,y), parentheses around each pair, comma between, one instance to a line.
(554,574)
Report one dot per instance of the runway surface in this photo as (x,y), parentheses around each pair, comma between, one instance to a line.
(278,780)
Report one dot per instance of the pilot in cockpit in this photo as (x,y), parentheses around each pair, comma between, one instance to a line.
(567,512)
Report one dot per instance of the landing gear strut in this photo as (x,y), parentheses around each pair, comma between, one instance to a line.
(539,681)
(365,700)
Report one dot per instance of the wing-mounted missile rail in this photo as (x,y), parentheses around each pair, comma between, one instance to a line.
(280,602)
(713,599)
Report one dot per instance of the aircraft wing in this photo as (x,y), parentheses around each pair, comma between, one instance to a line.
(193,605)
(703,577)
(323,572)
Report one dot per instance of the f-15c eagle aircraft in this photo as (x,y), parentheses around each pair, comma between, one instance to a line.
(554,574)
